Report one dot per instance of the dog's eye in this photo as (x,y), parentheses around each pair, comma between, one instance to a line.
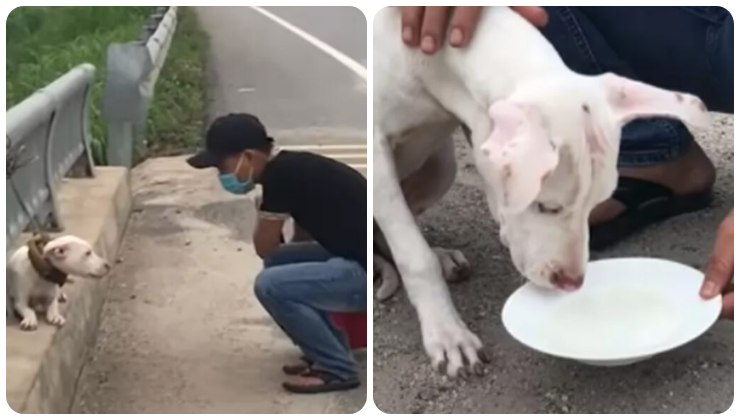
(549,208)
(88,253)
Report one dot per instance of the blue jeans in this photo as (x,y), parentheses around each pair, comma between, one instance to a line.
(299,287)
(687,49)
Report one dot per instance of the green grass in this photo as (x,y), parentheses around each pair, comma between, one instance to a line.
(45,42)
(175,123)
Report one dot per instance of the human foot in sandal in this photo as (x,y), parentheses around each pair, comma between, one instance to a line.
(647,195)
(298,368)
(315,382)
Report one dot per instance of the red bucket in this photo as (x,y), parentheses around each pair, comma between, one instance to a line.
(354,325)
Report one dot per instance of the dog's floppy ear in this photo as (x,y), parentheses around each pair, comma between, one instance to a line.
(603,151)
(631,100)
(521,151)
(56,252)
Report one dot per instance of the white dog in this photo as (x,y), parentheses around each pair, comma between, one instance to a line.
(37,272)
(544,139)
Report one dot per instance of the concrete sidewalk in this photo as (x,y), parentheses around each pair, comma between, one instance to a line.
(181,331)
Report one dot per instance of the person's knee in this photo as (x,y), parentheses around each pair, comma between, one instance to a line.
(263,285)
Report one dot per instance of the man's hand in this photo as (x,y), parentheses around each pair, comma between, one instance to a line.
(267,236)
(721,268)
(426,26)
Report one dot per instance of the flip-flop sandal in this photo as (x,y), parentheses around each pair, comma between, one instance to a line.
(299,368)
(645,203)
(331,383)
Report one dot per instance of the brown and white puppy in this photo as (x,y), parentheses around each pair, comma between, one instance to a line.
(28,289)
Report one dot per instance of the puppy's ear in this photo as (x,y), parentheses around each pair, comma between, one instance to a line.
(521,151)
(631,100)
(57,252)
(603,151)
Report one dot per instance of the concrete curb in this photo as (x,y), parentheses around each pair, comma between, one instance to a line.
(43,365)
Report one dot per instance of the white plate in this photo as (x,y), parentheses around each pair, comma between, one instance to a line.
(628,310)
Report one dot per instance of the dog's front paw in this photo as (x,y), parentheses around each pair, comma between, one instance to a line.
(55,319)
(453,348)
(455,267)
(29,323)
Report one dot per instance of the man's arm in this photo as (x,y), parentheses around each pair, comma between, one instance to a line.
(267,236)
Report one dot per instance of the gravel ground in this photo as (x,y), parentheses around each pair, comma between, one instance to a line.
(696,378)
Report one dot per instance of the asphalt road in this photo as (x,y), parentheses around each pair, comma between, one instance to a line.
(258,66)
(696,378)
(340,27)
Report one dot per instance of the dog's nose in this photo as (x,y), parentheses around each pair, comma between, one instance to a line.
(565,281)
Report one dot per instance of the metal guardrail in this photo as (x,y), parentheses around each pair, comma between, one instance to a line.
(49,134)
(132,72)
(49,131)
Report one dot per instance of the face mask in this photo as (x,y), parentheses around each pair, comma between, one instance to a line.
(231,183)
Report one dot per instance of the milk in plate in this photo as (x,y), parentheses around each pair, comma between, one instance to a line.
(611,323)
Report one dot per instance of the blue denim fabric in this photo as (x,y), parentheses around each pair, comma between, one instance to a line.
(687,49)
(301,285)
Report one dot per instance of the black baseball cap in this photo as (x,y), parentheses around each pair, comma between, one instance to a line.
(230,134)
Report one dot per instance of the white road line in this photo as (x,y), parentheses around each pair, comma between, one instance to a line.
(343,147)
(351,64)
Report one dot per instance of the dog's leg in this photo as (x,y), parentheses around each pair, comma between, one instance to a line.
(388,277)
(455,267)
(384,269)
(28,316)
(426,187)
(446,337)
(52,311)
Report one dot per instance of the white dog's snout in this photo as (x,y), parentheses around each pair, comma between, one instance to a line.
(103,269)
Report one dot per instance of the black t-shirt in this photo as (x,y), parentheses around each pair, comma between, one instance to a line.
(328,199)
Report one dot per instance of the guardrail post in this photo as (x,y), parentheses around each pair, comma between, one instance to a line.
(123,105)
(132,71)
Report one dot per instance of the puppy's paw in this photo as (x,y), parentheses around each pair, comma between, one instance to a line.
(455,267)
(55,319)
(385,274)
(29,323)
(452,347)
